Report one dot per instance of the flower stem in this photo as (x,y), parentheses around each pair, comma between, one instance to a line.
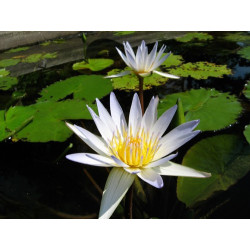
(141,92)
(129,203)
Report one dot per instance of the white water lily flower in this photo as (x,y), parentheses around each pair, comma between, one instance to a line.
(137,148)
(143,64)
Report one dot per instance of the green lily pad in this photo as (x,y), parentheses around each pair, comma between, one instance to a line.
(203,104)
(47,120)
(123,33)
(7,82)
(201,70)
(130,82)
(17,50)
(247,133)
(4,72)
(225,156)
(194,36)
(87,87)
(238,37)
(172,60)
(37,57)
(245,52)
(246,90)
(45,43)
(8,62)
(93,64)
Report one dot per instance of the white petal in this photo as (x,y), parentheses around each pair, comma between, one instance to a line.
(159,62)
(163,122)
(119,162)
(174,169)
(132,170)
(93,141)
(123,73)
(151,177)
(158,56)
(135,115)
(128,47)
(161,161)
(117,185)
(166,74)
(124,58)
(91,159)
(151,57)
(117,114)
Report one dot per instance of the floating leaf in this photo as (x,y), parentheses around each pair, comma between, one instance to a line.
(45,43)
(201,70)
(247,133)
(4,72)
(172,60)
(93,64)
(123,33)
(203,104)
(59,41)
(37,57)
(238,37)
(17,50)
(225,156)
(194,36)
(8,62)
(245,52)
(87,87)
(47,120)
(130,82)
(7,82)
(246,91)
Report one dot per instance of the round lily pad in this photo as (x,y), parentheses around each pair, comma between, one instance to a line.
(194,36)
(247,133)
(226,157)
(94,64)
(201,70)
(215,110)
(8,62)
(7,82)
(246,90)
(238,37)
(245,52)
(38,57)
(4,72)
(87,87)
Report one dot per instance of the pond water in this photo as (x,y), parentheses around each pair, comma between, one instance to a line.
(43,85)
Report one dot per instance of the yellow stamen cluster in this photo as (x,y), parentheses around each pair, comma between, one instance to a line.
(137,150)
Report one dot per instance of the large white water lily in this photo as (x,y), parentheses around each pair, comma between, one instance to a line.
(143,64)
(137,148)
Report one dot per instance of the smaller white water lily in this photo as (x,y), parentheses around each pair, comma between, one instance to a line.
(143,64)
(137,148)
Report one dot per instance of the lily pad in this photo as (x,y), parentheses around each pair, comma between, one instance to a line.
(17,50)
(37,57)
(194,36)
(7,82)
(87,87)
(123,33)
(247,133)
(172,60)
(246,90)
(93,64)
(4,72)
(47,120)
(130,82)
(201,70)
(225,156)
(8,62)
(238,37)
(245,52)
(203,104)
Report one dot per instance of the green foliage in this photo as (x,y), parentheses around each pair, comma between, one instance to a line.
(247,133)
(93,64)
(17,50)
(246,90)
(7,82)
(245,52)
(179,117)
(131,83)
(87,87)
(225,156)
(203,104)
(8,62)
(123,33)
(172,60)
(238,37)
(201,70)
(4,72)
(194,36)
(38,57)
(47,120)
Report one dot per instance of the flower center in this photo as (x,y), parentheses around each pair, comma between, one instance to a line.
(135,151)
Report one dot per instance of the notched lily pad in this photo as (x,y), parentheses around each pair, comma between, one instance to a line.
(17,50)
(245,52)
(87,87)
(8,62)
(7,82)
(93,64)
(194,36)
(131,83)
(226,157)
(203,104)
(247,133)
(201,70)
(172,60)
(37,57)
(238,37)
